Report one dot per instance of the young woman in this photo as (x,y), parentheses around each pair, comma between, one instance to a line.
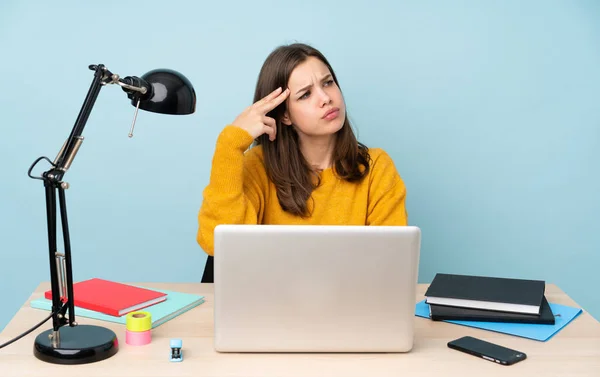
(292,157)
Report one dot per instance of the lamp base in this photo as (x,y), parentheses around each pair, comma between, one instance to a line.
(81,344)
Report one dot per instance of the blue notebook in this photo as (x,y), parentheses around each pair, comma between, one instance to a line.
(176,304)
(563,315)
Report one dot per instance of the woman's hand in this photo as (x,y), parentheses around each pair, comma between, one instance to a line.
(254,119)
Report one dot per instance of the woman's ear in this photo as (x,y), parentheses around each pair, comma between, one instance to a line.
(285,119)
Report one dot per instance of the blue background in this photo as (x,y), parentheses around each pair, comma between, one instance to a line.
(491,111)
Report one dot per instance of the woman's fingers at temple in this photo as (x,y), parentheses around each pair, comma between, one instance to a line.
(264,100)
(272,103)
(268,97)
(254,119)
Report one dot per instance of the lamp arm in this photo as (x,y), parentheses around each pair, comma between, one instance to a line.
(134,86)
(71,146)
(61,275)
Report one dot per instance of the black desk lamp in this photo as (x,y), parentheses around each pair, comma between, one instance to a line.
(161,91)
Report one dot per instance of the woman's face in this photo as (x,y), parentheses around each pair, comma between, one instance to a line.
(315,106)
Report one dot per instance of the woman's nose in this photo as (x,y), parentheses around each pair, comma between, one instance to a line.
(324,99)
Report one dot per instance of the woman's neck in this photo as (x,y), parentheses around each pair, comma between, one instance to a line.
(318,151)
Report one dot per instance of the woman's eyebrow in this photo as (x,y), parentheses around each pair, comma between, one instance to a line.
(327,76)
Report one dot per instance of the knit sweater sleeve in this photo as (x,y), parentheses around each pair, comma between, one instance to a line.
(387,193)
(234,194)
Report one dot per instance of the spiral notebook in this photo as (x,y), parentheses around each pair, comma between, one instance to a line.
(176,304)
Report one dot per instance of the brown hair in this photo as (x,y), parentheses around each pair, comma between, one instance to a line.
(292,175)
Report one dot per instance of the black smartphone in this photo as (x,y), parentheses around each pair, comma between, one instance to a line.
(486,350)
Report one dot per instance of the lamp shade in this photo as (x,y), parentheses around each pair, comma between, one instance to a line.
(170,92)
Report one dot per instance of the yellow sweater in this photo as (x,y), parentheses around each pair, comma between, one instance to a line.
(239,192)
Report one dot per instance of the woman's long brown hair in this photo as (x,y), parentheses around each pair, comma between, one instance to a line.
(292,175)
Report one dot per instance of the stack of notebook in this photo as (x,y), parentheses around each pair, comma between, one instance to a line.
(111,301)
(488,299)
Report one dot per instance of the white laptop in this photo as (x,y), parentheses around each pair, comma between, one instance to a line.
(309,288)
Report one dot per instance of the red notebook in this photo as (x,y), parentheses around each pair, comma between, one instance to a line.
(112,298)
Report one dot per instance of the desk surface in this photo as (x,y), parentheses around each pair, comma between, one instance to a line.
(574,351)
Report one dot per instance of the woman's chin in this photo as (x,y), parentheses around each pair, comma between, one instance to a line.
(338,124)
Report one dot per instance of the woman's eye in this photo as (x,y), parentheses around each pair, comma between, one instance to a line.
(305,95)
(328,82)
